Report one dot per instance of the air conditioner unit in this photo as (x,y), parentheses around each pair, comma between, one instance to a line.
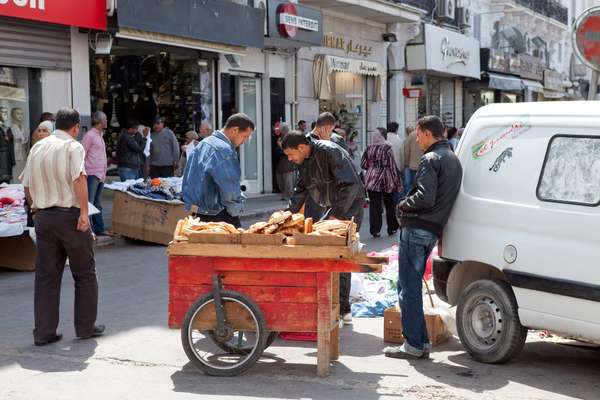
(262,5)
(446,10)
(463,15)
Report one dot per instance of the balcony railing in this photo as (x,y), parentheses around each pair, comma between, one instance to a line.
(550,8)
(427,5)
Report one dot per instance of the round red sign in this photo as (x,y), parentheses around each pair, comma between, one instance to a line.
(286,12)
(587,37)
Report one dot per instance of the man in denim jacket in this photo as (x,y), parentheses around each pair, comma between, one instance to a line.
(211,180)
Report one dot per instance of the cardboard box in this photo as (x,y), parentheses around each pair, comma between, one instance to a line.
(146,220)
(18,252)
(392,327)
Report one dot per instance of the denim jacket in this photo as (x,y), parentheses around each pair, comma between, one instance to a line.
(211,179)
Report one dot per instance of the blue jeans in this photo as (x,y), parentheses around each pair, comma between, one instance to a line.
(95,197)
(414,250)
(128,173)
(409,180)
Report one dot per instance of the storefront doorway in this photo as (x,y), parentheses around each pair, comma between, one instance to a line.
(243,94)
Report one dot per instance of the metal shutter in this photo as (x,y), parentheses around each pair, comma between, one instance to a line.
(34,44)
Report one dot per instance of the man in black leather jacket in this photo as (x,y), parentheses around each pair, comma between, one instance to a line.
(328,178)
(130,152)
(423,215)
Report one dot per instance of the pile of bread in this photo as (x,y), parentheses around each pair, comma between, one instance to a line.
(282,222)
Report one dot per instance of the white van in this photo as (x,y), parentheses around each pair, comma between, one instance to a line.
(522,247)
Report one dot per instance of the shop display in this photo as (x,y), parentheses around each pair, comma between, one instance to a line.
(13,217)
(159,189)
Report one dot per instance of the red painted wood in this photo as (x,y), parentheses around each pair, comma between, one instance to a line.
(260,294)
(209,264)
(188,276)
(297,317)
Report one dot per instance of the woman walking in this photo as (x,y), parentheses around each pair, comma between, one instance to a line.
(382,179)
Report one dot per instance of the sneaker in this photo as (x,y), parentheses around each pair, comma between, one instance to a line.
(405,351)
(347,318)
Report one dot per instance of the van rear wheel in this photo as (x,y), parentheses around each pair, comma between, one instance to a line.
(488,322)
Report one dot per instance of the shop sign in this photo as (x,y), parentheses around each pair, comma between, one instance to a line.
(290,22)
(553,80)
(445,51)
(339,64)
(294,23)
(523,65)
(587,37)
(412,93)
(80,13)
(350,46)
(530,67)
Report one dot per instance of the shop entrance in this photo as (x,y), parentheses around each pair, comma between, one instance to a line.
(242,94)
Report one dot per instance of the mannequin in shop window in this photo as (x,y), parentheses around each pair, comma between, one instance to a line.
(20,138)
(7,155)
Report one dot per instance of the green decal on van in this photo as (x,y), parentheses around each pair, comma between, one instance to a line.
(484,147)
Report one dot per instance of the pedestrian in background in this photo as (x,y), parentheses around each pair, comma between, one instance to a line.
(191,141)
(382,181)
(43,130)
(130,152)
(412,157)
(205,130)
(423,215)
(453,138)
(285,169)
(164,151)
(302,126)
(211,181)
(55,184)
(325,130)
(397,143)
(95,166)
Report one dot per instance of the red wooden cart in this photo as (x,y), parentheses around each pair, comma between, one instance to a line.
(231,300)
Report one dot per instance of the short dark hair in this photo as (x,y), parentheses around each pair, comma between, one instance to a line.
(452,131)
(326,118)
(132,123)
(313,125)
(46,116)
(293,139)
(240,121)
(383,132)
(301,122)
(393,127)
(433,124)
(66,119)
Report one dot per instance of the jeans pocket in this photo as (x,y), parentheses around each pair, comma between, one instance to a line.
(422,237)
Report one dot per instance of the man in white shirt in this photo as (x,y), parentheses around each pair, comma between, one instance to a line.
(397,143)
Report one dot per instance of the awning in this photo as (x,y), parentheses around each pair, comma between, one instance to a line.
(325,65)
(534,86)
(505,82)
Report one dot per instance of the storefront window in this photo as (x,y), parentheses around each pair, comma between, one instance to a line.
(19,109)
(348,103)
(178,87)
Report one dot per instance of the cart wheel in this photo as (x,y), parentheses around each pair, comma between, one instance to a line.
(243,321)
(239,342)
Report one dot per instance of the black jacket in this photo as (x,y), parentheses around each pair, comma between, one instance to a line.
(335,138)
(130,150)
(434,192)
(330,179)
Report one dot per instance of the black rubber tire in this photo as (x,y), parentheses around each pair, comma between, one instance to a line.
(510,334)
(253,357)
(241,351)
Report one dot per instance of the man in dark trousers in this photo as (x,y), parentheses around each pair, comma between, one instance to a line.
(56,189)
(211,180)
(423,215)
(328,178)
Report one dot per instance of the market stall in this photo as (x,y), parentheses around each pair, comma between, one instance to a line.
(147,210)
(17,246)
(231,290)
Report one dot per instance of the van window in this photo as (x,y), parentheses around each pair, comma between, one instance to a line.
(571,172)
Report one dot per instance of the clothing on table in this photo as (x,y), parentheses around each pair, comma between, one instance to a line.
(154,192)
(414,249)
(95,187)
(164,150)
(95,154)
(57,239)
(53,165)
(377,202)
(412,152)
(211,180)
(432,197)
(7,155)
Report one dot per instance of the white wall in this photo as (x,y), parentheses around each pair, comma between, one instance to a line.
(56,90)
(80,61)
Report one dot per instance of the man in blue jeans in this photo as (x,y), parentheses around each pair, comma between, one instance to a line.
(423,215)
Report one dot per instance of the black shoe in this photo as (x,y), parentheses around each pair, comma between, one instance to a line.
(98,331)
(392,233)
(376,235)
(54,339)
